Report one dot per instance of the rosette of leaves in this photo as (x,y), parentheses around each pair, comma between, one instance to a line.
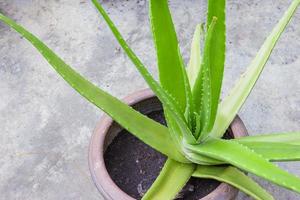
(190,96)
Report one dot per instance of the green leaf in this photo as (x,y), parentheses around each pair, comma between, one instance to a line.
(193,71)
(274,147)
(170,181)
(216,8)
(268,147)
(149,131)
(234,177)
(158,90)
(290,138)
(173,127)
(246,159)
(190,106)
(202,91)
(167,49)
(230,106)
(274,151)
(201,159)
(171,68)
(167,100)
(194,66)
(207,86)
(178,131)
(197,129)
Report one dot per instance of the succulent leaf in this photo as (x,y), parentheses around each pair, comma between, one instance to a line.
(234,177)
(149,131)
(246,159)
(202,88)
(230,106)
(216,8)
(274,151)
(171,104)
(164,187)
(290,138)
(194,66)
(169,58)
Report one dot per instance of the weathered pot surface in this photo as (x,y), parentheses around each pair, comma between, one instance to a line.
(145,102)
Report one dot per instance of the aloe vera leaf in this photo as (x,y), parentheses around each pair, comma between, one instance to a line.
(234,177)
(192,71)
(230,106)
(290,138)
(171,68)
(169,58)
(197,129)
(149,131)
(201,159)
(167,100)
(189,109)
(274,151)
(171,180)
(246,159)
(202,93)
(216,8)
(194,65)
(190,106)
(179,133)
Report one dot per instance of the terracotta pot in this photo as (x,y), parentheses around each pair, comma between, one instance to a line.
(106,130)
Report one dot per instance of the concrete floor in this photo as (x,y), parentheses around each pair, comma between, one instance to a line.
(46,125)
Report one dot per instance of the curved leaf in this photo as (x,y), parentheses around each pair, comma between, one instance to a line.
(290,138)
(216,8)
(167,49)
(167,100)
(274,151)
(244,158)
(202,91)
(171,68)
(194,66)
(149,131)
(234,177)
(171,180)
(239,93)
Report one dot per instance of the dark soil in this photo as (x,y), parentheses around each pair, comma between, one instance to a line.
(134,166)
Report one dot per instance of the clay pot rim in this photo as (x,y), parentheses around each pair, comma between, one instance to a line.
(99,173)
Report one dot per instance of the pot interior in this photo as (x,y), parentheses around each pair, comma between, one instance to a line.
(134,166)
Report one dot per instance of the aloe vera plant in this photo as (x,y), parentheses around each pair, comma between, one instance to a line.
(196,118)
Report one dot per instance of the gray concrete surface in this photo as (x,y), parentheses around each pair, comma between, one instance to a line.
(46,126)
